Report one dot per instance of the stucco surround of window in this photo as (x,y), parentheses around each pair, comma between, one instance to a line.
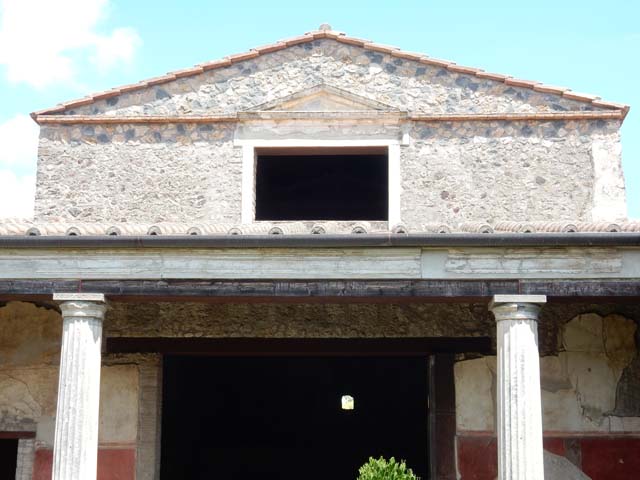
(249,170)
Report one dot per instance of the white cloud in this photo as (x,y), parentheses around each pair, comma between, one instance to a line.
(120,46)
(18,160)
(42,42)
(16,195)
(19,143)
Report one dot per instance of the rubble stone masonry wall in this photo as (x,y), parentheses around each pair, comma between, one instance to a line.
(404,84)
(451,172)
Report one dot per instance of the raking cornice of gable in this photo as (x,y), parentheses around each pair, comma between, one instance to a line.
(611,110)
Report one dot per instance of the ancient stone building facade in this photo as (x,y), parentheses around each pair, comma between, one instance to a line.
(469,222)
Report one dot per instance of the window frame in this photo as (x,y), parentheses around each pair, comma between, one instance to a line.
(249,164)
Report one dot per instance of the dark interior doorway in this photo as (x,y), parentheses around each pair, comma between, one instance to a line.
(281,418)
(8,458)
(322,184)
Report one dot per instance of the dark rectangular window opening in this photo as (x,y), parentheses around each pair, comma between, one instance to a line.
(8,457)
(346,183)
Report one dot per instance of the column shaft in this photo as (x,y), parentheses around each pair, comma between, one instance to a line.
(519,418)
(77,415)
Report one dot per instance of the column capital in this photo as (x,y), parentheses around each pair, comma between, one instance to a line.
(81,304)
(517,307)
(79,297)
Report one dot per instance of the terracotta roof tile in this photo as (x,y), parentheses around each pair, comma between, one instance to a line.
(78,103)
(159,80)
(549,89)
(296,40)
(335,35)
(339,37)
(360,42)
(516,82)
(224,62)
(436,61)
(416,57)
(105,94)
(47,111)
(188,72)
(462,69)
(132,87)
(492,76)
(239,57)
(584,97)
(475,227)
(271,47)
(21,227)
(603,104)
(377,47)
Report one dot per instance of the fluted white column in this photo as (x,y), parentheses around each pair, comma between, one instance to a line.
(75,449)
(519,406)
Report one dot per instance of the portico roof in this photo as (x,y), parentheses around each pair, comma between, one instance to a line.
(19,227)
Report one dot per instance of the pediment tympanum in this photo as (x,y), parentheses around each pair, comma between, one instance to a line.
(323,98)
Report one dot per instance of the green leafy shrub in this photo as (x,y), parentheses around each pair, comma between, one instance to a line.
(382,469)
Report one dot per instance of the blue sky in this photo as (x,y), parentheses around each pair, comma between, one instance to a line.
(57,50)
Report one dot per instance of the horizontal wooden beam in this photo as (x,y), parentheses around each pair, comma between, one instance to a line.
(334,291)
(299,346)
(17,435)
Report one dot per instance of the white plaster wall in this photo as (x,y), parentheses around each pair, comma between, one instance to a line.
(609,195)
(578,385)
(29,355)
(520,171)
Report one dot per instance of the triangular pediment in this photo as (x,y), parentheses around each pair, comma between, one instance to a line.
(323,98)
(413,83)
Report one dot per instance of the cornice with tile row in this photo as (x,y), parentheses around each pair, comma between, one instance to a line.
(29,228)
